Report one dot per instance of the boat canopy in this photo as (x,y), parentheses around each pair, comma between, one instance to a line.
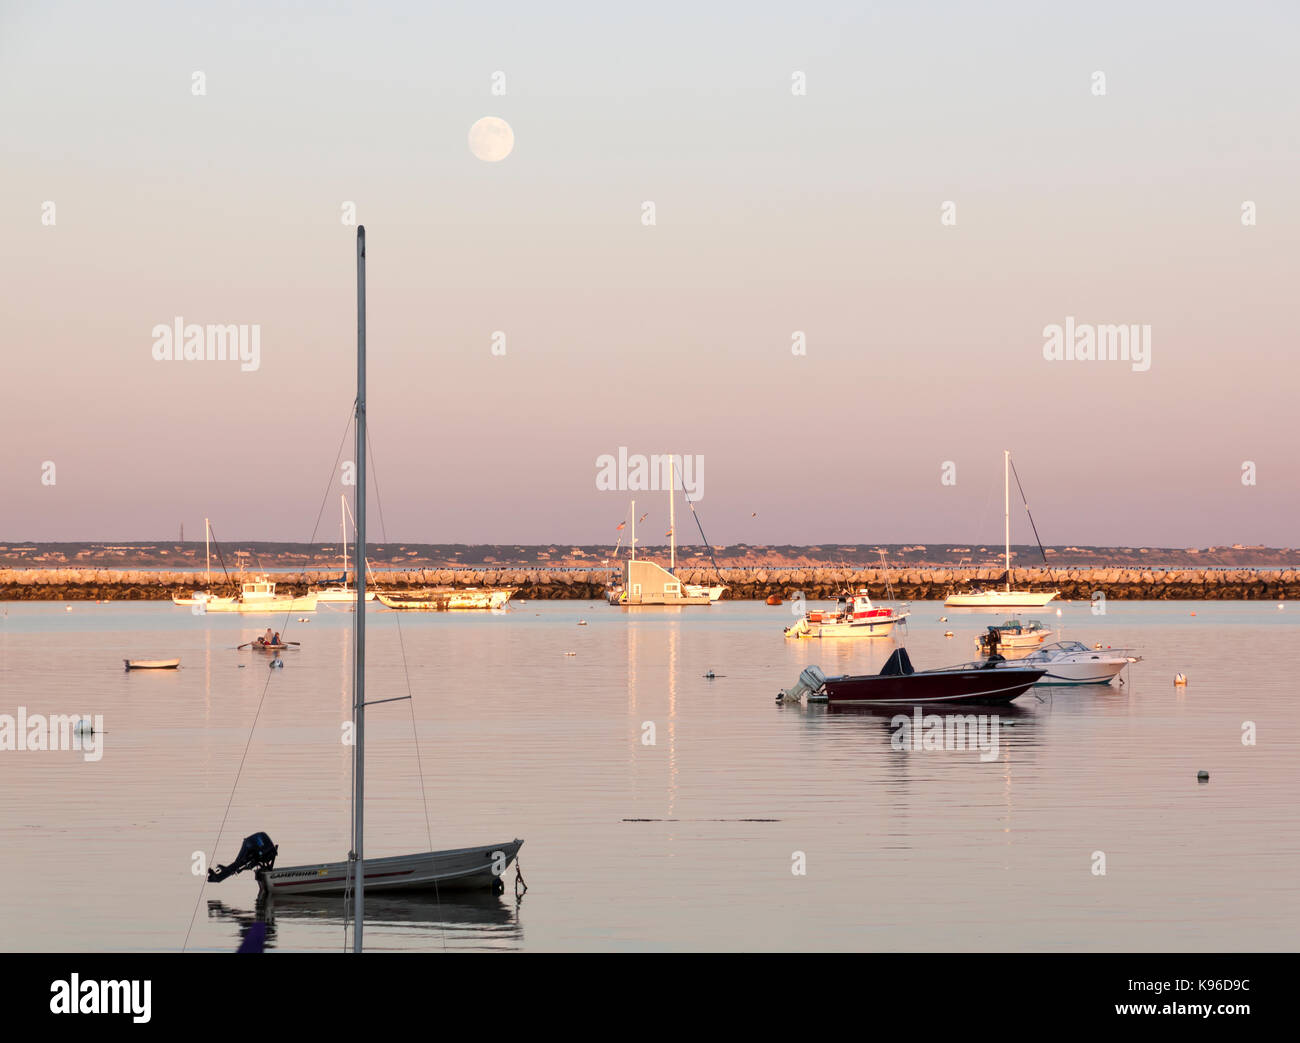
(898,664)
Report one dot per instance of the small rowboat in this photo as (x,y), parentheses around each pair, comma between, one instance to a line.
(152,664)
(257,646)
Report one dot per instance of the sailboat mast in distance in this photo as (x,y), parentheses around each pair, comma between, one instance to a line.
(1006,509)
(672,515)
(359,663)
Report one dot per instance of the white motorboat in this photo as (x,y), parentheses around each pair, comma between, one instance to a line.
(853,616)
(357,875)
(980,597)
(1073,662)
(1013,639)
(258,595)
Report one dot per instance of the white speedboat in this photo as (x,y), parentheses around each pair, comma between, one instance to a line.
(980,597)
(852,617)
(258,595)
(1073,662)
(1013,639)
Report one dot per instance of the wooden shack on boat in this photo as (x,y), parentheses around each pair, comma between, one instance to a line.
(645,583)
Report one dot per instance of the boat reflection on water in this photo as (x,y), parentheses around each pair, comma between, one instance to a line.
(464,921)
(1018,725)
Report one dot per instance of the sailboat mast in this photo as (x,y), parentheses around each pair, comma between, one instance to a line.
(207,555)
(672,516)
(359,666)
(634,530)
(1006,509)
(343,534)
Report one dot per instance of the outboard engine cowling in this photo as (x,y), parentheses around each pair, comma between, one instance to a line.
(256,852)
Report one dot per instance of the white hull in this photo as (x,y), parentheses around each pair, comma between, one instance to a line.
(1021,642)
(712,593)
(639,600)
(341,595)
(1100,672)
(863,628)
(468,867)
(1000,599)
(307,603)
(1071,662)
(199,598)
(152,664)
(449,600)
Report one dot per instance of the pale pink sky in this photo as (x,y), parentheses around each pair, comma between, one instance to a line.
(775,213)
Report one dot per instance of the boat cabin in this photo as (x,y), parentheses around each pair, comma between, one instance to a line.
(260,587)
(645,583)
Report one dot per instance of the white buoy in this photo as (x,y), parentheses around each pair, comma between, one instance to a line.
(943,619)
(1058,611)
(582,622)
(1180,679)
(570,653)
(276,664)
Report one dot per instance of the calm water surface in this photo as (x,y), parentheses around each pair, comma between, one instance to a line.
(634,846)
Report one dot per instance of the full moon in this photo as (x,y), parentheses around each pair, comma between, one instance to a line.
(491,139)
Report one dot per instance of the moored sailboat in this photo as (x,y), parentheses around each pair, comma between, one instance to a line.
(341,593)
(430,870)
(980,597)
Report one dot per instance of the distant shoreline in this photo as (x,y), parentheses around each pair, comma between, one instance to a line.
(227,557)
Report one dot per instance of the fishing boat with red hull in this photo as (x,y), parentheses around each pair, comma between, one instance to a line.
(899,683)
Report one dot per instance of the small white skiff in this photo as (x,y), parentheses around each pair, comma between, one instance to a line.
(152,664)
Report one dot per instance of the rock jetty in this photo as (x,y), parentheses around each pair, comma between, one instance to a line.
(743,584)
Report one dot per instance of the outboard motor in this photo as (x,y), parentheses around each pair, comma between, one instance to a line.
(256,852)
(811,680)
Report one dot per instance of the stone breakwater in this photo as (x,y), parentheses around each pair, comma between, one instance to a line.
(742,584)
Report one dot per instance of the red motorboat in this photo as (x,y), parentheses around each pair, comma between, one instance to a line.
(899,683)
